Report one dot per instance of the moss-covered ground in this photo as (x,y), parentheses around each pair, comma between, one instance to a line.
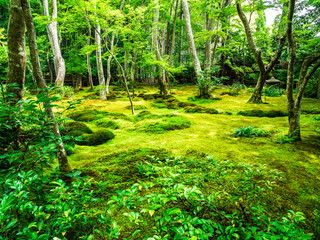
(207,134)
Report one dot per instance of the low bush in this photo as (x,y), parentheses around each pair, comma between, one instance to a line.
(261,113)
(250,132)
(96,138)
(107,124)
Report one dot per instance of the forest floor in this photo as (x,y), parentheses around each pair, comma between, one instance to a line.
(208,135)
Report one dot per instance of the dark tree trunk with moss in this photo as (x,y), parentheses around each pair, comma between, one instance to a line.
(61,153)
(16,51)
(264,70)
(309,66)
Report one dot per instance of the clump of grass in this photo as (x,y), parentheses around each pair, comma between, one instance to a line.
(200,109)
(96,138)
(261,113)
(249,132)
(107,124)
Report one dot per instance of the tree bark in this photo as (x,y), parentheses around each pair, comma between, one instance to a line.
(203,83)
(59,64)
(207,55)
(264,71)
(318,92)
(88,60)
(155,42)
(109,63)
(61,153)
(16,51)
(102,82)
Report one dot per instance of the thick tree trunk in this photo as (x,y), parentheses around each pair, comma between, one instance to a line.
(61,154)
(79,81)
(59,63)
(256,96)
(16,51)
(203,84)
(102,82)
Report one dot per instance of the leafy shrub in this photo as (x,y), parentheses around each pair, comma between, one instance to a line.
(272,91)
(249,132)
(202,199)
(261,113)
(108,124)
(66,92)
(96,138)
(72,126)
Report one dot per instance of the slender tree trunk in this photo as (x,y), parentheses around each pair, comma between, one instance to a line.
(16,51)
(133,71)
(102,82)
(88,59)
(173,32)
(155,42)
(318,92)
(181,35)
(49,67)
(109,63)
(59,64)
(207,55)
(79,81)
(203,83)
(61,154)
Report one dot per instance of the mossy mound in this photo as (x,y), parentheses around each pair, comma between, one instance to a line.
(108,124)
(147,97)
(72,126)
(137,107)
(311,111)
(146,115)
(199,109)
(163,123)
(261,113)
(96,138)
(186,104)
(85,115)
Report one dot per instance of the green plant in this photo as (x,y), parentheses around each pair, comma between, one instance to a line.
(249,132)
(72,126)
(282,139)
(272,91)
(202,199)
(66,92)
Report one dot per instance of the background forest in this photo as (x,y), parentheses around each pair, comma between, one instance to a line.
(159,119)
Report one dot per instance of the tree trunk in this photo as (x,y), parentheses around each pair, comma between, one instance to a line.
(16,51)
(88,60)
(79,81)
(207,55)
(155,42)
(61,154)
(203,83)
(109,63)
(102,82)
(318,92)
(264,70)
(173,33)
(59,63)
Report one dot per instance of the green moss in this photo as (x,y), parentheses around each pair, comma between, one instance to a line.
(85,115)
(311,111)
(137,107)
(145,115)
(96,138)
(165,123)
(199,109)
(107,124)
(72,126)
(75,133)
(262,113)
